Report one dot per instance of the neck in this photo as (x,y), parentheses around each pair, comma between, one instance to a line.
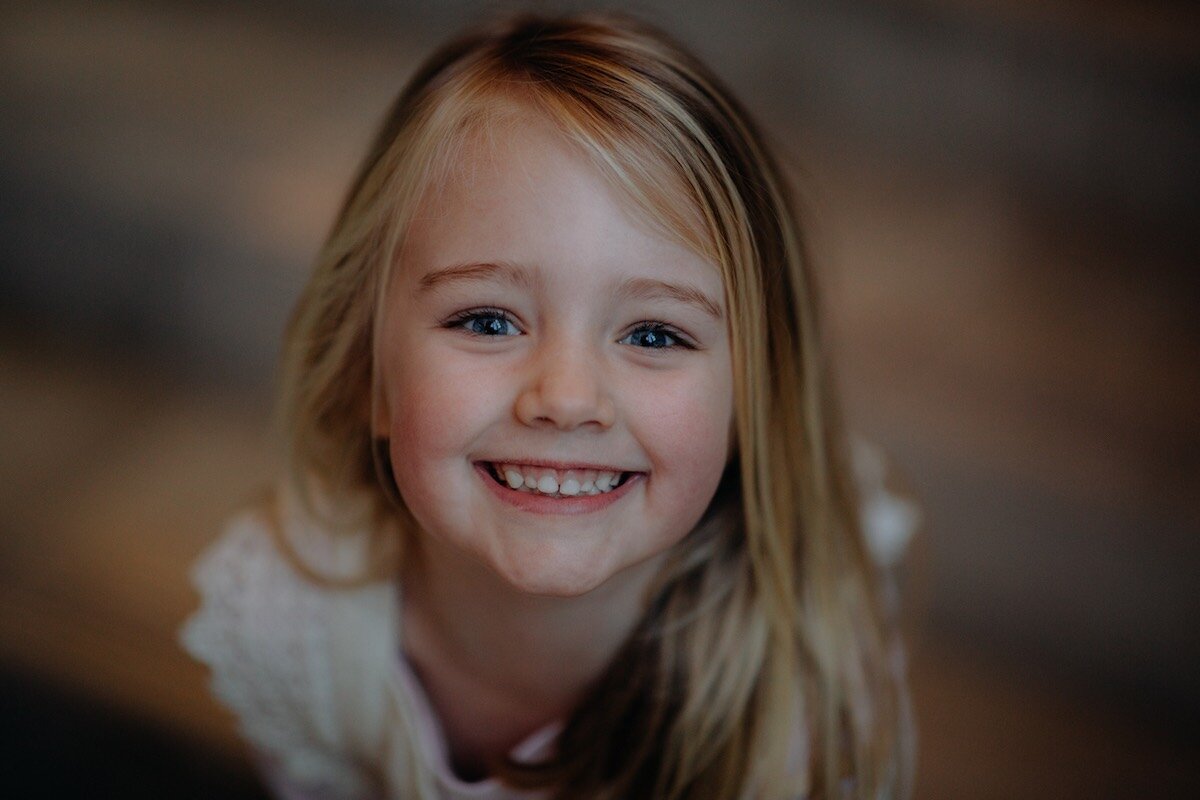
(530,652)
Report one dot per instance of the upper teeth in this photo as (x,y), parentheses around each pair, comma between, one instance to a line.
(564,483)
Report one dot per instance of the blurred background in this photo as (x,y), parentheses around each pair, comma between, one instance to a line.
(1002,198)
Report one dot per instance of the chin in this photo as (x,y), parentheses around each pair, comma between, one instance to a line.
(553,585)
(549,578)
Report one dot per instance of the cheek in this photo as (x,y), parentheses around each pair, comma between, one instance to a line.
(433,410)
(685,431)
(693,436)
(431,405)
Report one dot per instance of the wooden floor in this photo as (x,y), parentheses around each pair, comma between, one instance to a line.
(1027,359)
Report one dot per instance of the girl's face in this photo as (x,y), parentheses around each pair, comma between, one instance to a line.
(535,332)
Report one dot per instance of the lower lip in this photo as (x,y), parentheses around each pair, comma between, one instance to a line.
(541,504)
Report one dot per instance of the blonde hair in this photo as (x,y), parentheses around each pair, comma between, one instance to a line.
(760,668)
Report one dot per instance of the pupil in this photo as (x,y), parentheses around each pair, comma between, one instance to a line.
(491,325)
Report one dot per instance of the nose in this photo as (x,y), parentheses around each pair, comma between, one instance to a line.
(565,389)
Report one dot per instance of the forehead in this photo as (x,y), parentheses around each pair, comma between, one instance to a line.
(520,190)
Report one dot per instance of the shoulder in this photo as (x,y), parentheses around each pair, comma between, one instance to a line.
(264,629)
(253,601)
(889,519)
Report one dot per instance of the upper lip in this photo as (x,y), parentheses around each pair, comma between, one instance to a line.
(559,465)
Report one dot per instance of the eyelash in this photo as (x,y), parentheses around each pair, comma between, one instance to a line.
(652,326)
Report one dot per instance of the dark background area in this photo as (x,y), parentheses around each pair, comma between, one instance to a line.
(1002,199)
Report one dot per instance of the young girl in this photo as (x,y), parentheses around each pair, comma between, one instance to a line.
(568,512)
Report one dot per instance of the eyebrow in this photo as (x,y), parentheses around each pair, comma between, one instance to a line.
(504,271)
(516,275)
(650,288)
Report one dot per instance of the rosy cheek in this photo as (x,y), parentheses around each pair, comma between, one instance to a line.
(434,405)
(687,447)
(424,419)
(690,417)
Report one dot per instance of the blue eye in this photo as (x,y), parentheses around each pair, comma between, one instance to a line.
(495,323)
(656,336)
(485,322)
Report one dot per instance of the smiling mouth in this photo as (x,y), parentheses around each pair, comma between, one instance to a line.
(556,483)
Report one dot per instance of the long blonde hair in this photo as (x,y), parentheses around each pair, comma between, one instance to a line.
(760,668)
